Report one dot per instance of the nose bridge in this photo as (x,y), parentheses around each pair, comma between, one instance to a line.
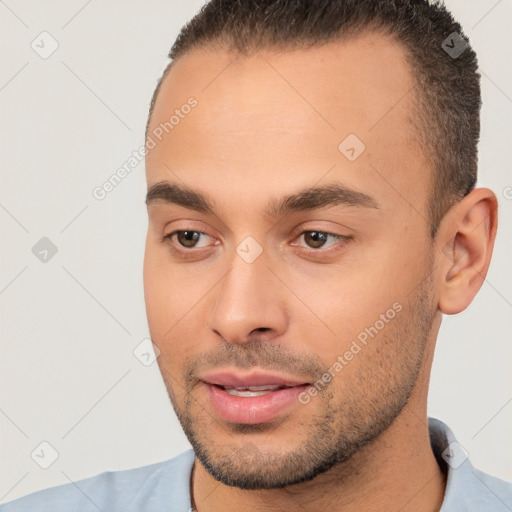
(247,299)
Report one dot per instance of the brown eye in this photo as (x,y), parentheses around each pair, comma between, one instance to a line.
(315,239)
(188,238)
(189,243)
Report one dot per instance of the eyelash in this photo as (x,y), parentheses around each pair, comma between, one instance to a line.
(191,252)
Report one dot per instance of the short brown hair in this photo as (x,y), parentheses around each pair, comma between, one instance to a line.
(447,98)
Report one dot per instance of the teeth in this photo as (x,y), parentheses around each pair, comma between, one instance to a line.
(251,391)
(236,392)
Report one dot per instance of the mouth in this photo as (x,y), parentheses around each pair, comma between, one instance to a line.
(253,398)
(251,390)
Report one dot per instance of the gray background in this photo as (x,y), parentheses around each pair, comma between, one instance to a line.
(69,325)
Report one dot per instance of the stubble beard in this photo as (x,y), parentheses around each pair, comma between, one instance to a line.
(340,423)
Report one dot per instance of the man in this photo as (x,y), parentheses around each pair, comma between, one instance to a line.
(311,173)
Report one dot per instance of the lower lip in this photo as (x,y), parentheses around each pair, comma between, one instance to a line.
(255,409)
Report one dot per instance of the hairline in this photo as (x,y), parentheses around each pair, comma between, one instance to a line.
(417,109)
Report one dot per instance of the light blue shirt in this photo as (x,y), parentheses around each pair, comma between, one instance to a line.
(165,486)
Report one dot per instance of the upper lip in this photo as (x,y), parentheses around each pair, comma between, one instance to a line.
(245,380)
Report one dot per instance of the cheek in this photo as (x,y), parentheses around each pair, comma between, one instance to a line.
(173,306)
(351,297)
(367,299)
(154,290)
(164,295)
(373,367)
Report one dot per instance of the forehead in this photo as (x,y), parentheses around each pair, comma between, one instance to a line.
(282,115)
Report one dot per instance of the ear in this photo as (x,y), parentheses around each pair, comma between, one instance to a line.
(465,240)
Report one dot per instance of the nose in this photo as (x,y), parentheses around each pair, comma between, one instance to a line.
(249,301)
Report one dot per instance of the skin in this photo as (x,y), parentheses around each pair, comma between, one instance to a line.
(265,127)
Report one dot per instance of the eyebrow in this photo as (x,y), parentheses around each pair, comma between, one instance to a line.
(334,194)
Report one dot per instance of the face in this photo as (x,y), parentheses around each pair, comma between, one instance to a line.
(287,267)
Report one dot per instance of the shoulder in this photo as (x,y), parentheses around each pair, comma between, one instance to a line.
(477,491)
(467,488)
(145,488)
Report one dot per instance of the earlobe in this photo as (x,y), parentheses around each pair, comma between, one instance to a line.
(466,240)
